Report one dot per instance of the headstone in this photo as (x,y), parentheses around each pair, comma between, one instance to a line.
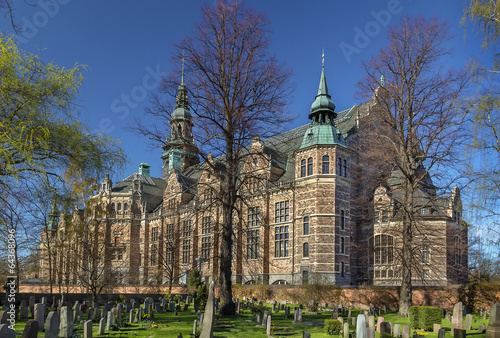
(481,328)
(31,329)
(96,313)
(380,320)
(268,327)
(457,321)
(195,327)
(102,326)
(39,314)
(296,315)
(406,331)
(3,317)
(196,306)
(371,321)
(494,324)
(87,329)
(31,304)
(361,326)
(448,316)
(171,306)
(186,307)
(396,332)
(131,316)
(44,301)
(384,328)
(300,314)
(468,322)
(353,321)
(52,325)
(6,331)
(341,320)
(335,313)
(207,328)
(66,325)
(306,334)
(109,321)
(257,318)
(442,333)
(370,332)
(437,327)
(459,333)
(346,330)
(264,319)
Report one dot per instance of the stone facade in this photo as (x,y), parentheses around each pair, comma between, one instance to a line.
(295,225)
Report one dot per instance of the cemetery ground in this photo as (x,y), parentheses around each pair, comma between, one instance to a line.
(172,324)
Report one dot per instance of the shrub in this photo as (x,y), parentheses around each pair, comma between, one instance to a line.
(413,314)
(428,316)
(332,327)
(259,309)
(424,317)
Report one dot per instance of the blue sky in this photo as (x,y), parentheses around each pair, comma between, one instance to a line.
(127,45)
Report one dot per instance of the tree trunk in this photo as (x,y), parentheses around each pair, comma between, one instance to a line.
(406,291)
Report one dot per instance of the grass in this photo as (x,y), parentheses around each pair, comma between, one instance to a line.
(244,326)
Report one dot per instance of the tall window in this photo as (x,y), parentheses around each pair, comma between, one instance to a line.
(281,241)
(125,206)
(385,216)
(305,250)
(339,166)
(206,225)
(169,233)
(376,217)
(253,244)
(342,269)
(342,245)
(458,256)
(345,168)
(119,206)
(303,168)
(186,249)
(305,225)
(309,166)
(186,228)
(154,234)
(282,212)
(305,277)
(342,219)
(426,254)
(384,249)
(154,254)
(206,247)
(325,165)
(253,216)
(113,207)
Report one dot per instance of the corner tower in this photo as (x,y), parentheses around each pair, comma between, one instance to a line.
(322,196)
(180,152)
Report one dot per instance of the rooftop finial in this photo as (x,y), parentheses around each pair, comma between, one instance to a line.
(323,58)
(182,74)
(382,81)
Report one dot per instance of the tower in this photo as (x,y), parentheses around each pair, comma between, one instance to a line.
(180,152)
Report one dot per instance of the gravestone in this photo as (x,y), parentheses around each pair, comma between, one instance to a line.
(6,331)
(3,317)
(361,326)
(300,314)
(31,329)
(102,326)
(371,321)
(96,313)
(436,327)
(66,325)
(406,331)
(457,320)
(196,306)
(186,306)
(171,306)
(493,330)
(109,321)
(87,329)
(131,316)
(346,330)
(268,327)
(442,333)
(380,320)
(264,319)
(481,328)
(52,325)
(207,328)
(44,301)
(341,320)
(353,321)
(370,332)
(195,327)
(384,328)
(459,333)
(335,313)
(257,319)
(306,334)
(296,315)
(31,304)
(396,332)
(468,322)
(39,315)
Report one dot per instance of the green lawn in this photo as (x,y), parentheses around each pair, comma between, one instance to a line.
(242,326)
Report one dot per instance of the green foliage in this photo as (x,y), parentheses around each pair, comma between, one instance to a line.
(196,287)
(122,298)
(332,327)
(413,314)
(259,309)
(485,15)
(424,317)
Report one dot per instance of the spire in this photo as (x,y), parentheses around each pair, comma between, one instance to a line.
(182,74)
(323,108)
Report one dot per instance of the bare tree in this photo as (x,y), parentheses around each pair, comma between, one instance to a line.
(421,111)
(237,91)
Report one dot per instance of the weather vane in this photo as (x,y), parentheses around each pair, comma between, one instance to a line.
(323,58)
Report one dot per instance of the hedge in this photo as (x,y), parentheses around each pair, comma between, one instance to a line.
(332,327)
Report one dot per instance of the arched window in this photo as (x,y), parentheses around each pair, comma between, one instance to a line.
(303,168)
(125,206)
(119,206)
(309,166)
(325,166)
(112,207)
(305,250)
(305,226)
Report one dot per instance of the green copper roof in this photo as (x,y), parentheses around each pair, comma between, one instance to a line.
(322,102)
(181,111)
(322,134)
